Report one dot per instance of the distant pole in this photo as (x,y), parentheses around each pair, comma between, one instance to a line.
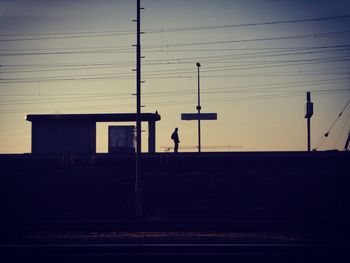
(138,178)
(308,134)
(199,110)
(308,114)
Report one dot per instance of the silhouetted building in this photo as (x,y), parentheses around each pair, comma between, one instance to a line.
(76,133)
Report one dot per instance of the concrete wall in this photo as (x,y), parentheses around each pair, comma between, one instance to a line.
(65,187)
(63,137)
(297,184)
(241,184)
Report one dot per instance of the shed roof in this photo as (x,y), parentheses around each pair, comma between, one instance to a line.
(96,117)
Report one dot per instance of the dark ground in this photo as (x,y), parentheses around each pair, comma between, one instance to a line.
(246,207)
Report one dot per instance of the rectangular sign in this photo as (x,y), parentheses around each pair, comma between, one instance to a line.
(309,109)
(202,116)
(121,139)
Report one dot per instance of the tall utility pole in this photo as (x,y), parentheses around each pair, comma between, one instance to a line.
(309,110)
(138,177)
(199,110)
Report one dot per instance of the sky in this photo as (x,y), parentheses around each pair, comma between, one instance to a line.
(258,59)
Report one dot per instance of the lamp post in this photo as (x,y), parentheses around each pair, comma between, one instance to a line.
(199,110)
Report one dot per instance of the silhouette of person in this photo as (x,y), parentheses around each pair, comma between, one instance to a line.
(175,138)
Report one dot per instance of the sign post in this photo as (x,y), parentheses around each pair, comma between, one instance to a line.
(199,110)
(309,110)
(198,117)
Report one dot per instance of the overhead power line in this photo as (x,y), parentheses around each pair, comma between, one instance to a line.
(167,103)
(325,136)
(89,35)
(342,129)
(124,48)
(181,29)
(93,51)
(40,100)
(84,34)
(223,59)
(151,48)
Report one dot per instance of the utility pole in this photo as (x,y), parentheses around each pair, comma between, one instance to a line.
(138,177)
(199,110)
(309,110)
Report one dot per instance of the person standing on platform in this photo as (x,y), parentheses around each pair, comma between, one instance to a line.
(175,138)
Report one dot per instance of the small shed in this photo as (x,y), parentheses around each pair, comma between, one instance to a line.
(76,133)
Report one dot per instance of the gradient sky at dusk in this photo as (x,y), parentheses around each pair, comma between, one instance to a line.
(77,57)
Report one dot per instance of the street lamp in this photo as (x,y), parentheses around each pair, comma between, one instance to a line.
(199,110)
